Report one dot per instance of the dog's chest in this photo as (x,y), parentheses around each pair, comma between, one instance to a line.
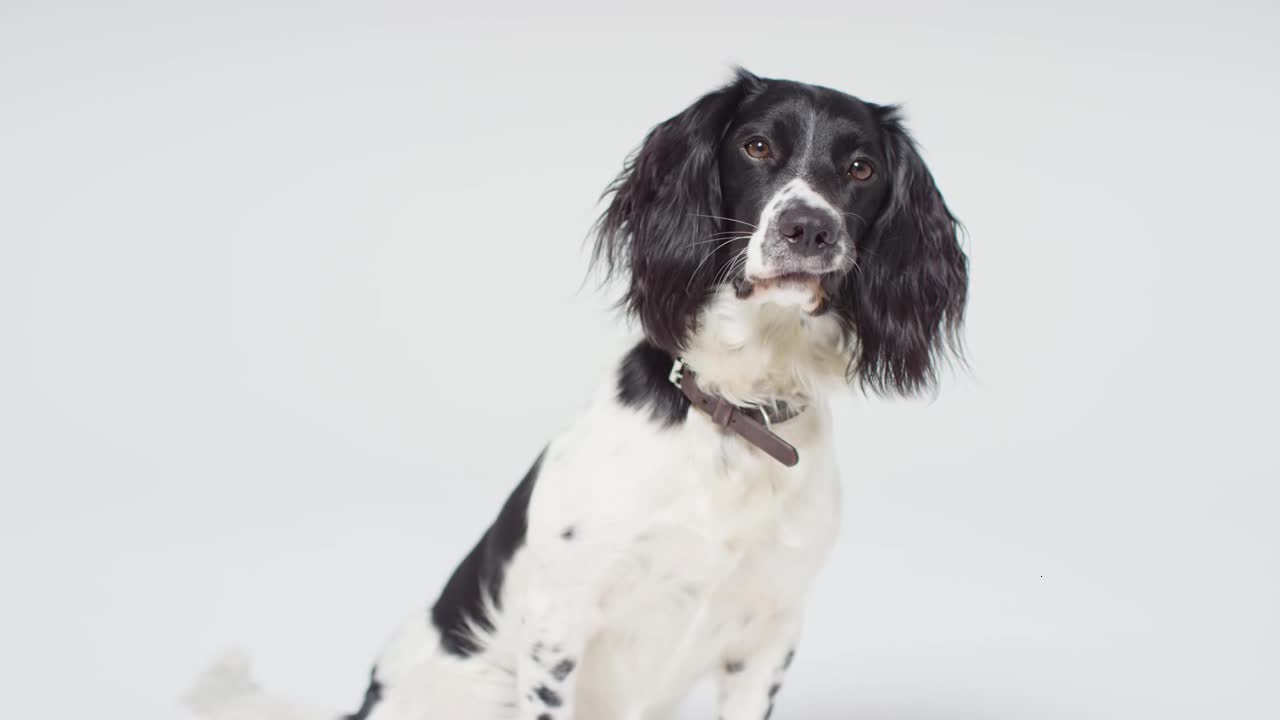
(724,546)
(681,547)
(682,592)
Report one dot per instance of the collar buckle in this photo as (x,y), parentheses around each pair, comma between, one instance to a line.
(677,372)
(764,413)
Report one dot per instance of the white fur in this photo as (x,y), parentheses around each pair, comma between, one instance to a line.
(691,549)
(796,191)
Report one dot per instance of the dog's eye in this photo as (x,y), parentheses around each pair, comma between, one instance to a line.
(758,148)
(861,170)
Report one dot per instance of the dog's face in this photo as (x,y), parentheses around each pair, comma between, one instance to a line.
(795,195)
(801,171)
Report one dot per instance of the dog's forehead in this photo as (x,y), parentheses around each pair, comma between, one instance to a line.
(791,106)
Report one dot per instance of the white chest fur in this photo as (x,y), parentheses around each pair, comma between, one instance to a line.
(685,547)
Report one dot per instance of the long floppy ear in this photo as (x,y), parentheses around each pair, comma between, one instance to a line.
(914,277)
(662,212)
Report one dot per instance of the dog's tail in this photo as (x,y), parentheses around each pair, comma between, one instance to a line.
(226,691)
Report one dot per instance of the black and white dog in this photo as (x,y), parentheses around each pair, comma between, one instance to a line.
(778,241)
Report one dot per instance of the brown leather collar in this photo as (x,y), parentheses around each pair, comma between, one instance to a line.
(752,423)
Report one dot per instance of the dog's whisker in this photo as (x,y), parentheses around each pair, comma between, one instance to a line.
(703,261)
(726,219)
(730,267)
(722,238)
(716,279)
(869,252)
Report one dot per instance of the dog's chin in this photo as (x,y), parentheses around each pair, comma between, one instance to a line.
(796,289)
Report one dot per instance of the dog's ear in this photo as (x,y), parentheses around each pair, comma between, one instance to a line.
(662,214)
(911,289)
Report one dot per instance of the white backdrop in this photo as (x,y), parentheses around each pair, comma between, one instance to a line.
(289,300)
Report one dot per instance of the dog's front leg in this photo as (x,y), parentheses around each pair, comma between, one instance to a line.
(751,679)
(551,640)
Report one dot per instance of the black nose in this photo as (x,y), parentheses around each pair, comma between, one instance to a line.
(808,231)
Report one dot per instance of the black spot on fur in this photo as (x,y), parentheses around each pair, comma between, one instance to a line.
(769,713)
(544,716)
(643,383)
(482,572)
(773,690)
(372,696)
(786,662)
(548,696)
(568,533)
(734,666)
(562,669)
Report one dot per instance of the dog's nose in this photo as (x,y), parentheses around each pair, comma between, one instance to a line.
(807,230)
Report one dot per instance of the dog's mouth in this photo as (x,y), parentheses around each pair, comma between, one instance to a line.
(792,288)
(747,286)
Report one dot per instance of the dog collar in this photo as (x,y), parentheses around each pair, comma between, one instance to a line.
(753,422)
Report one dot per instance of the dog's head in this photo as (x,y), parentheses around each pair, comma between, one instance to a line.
(797,195)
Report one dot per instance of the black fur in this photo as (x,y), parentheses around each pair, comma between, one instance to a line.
(911,293)
(482,571)
(643,382)
(562,669)
(684,202)
(549,697)
(660,222)
(372,696)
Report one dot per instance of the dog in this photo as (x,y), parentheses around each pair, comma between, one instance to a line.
(777,242)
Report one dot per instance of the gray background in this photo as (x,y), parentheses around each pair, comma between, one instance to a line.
(289,298)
